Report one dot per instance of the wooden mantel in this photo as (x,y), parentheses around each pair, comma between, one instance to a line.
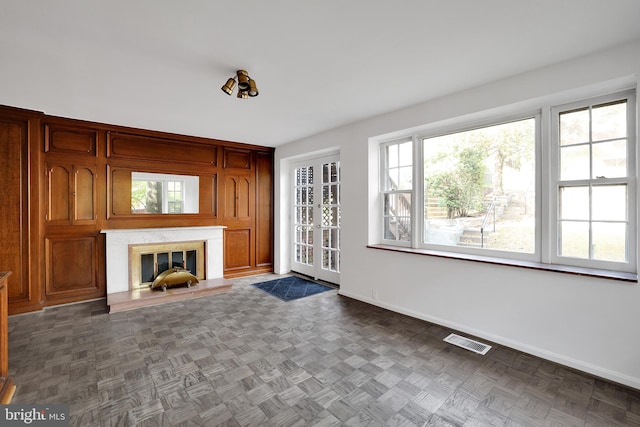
(7,388)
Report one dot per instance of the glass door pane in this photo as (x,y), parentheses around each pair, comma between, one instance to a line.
(330,225)
(303,216)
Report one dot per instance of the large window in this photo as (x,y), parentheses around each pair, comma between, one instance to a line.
(479,187)
(557,191)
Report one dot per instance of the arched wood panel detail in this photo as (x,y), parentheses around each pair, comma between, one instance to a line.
(230,196)
(85,195)
(243,198)
(58,203)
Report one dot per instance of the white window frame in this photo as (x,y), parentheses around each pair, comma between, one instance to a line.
(629,181)
(384,167)
(546,187)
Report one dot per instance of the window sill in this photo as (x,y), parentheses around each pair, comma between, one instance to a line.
(580,271)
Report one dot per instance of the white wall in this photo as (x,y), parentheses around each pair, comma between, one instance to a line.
(586,323)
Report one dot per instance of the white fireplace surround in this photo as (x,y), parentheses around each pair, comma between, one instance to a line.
(118,241)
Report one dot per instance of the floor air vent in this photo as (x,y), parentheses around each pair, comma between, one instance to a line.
(469,344)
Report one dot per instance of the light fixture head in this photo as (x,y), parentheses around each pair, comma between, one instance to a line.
(242,94)
(253,88)
(229,86)
(243,80)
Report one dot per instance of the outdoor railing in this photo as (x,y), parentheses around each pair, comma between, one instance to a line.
(490,209)
(401,212)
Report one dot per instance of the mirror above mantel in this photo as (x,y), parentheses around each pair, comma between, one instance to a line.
(159,193)
(143,193)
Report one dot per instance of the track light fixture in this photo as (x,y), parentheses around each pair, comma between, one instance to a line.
(246,85)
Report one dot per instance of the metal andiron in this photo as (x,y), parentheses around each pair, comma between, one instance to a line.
(173,277)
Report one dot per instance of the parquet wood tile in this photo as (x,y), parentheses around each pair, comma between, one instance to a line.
(244,358)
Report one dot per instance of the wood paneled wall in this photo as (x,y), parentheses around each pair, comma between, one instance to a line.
(66,180)
(21,245)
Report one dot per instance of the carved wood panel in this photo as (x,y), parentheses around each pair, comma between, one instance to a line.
(120,191)
(58,202)
(230,196)
(69,140)
(84,193)
(236,158)
(128,146)
(264,210)
(237,249)
(243,198)
(70,265)
(70,194)
(14,213)
(238,196)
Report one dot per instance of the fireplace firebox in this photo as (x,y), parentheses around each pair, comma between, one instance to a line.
(149,260)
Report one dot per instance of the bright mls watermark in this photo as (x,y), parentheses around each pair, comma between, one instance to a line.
(54,415)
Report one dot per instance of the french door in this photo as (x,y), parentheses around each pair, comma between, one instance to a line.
(316,218)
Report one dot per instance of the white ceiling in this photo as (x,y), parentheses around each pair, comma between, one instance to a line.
(319,64)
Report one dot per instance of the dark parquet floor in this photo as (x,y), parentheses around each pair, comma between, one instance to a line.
(245,358)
